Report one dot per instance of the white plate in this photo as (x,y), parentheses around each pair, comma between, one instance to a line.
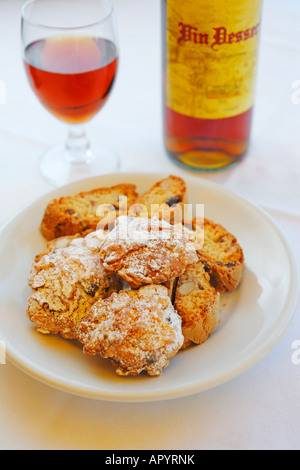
(253,319)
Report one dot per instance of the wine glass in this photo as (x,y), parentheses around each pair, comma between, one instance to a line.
(70,53)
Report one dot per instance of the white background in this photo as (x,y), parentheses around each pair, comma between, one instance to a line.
(261,408)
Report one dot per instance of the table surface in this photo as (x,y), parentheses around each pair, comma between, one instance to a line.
(259,409)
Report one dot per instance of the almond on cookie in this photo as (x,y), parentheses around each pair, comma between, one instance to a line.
(197,303)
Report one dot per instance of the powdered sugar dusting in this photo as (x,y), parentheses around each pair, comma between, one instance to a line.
(66,282)
(137,330)
(146,251)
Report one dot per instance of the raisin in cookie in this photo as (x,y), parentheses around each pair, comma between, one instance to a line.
(138,330)
(165,199)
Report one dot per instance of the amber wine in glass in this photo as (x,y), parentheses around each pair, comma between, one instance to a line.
(70,53)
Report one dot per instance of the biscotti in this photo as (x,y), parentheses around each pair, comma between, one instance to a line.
(81,213)
(197,303)
(146,251)
(165,199)
(222,256)
(130,279)
(138,330)
(65,283)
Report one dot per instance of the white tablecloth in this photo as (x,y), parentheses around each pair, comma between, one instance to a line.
(259,409)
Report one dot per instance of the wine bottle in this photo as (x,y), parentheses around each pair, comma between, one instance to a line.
(210,52)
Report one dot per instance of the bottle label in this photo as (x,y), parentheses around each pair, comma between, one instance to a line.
(212,56)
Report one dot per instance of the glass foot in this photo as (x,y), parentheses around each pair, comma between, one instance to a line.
(57,169)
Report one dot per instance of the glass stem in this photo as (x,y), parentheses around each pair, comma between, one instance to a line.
(77,146)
